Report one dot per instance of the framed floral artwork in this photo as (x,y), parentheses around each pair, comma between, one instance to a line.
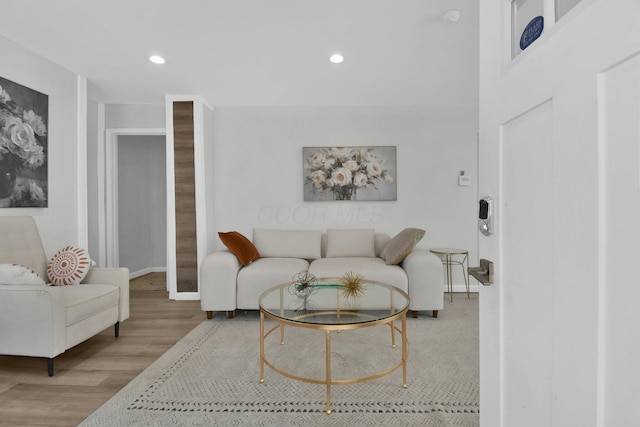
(349,173)
(24,116)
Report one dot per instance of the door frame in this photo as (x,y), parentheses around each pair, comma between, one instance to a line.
(108,221)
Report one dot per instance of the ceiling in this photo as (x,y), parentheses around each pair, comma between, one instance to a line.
(258,52)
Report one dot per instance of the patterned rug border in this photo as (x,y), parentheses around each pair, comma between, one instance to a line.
(146,402)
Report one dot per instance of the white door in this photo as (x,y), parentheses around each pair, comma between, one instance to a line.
(560,154)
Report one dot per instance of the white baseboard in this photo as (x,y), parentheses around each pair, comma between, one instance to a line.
(134,274)
(461,288)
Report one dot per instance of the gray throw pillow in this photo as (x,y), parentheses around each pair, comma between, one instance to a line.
(401,245)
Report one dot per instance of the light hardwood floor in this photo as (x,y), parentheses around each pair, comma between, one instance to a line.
(88,374)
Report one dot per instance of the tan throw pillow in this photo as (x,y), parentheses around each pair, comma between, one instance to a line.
(68,266)
(240,246)
(14,274)
(401,245)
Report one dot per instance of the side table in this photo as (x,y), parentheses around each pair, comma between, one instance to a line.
(447,256)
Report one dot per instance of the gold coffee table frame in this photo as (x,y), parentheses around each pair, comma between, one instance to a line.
(336,315)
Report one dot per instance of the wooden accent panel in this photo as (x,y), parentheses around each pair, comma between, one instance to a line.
(185,196)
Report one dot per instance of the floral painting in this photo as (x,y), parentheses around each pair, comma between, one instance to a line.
(349,173)
(24,115)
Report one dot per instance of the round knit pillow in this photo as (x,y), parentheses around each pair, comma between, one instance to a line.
(68,266)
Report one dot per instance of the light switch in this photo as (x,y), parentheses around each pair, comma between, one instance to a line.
(464,180)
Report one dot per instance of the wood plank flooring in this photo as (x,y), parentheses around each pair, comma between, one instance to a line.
(87,375)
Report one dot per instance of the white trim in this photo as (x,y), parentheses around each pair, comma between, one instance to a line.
(474,289)
(201,196)
(111,187)
(185,296)
(102,226)
(601,352)
(81,163)
(171,202)
(499,274)
(145,271)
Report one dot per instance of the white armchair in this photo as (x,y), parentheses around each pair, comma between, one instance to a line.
(44,321)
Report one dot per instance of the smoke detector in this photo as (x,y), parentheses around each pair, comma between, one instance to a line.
(451,16)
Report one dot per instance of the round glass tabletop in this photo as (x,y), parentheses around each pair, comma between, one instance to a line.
(329,302)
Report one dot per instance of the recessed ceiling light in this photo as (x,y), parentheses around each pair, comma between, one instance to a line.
(336,58)
(157,59)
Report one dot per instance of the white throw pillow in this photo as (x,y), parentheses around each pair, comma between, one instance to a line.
(14,274)
(306,244)
(69,266)
(351,243)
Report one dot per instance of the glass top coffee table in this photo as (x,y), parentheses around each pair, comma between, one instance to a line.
(329,305)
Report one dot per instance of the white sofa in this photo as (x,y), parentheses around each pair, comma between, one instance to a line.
(227,285)
(44,321)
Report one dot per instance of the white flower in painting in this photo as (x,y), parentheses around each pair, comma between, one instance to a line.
(329,183)
(37,193)
(360,180)
(352,165)
(328,163)
(341,176)
(317,159)
(373,169)
(388,178)
(4,96)
(36,122)
(7,119)
(317,177)
(369,156)
(341,153)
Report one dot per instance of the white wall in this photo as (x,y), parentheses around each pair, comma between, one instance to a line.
(142,203)
(121,116)
(58,223)
(258,169)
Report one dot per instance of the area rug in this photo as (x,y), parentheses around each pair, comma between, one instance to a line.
(211,377)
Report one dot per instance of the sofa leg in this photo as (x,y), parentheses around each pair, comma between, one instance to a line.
(50,366)
(209,315)
(230,314)
(435,314)
(415,313)
(116,328)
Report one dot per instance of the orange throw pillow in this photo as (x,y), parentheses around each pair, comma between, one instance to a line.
(240,246)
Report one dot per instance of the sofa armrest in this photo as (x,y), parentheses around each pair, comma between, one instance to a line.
(32,320)
(218,276)
(425,274)
(112,276)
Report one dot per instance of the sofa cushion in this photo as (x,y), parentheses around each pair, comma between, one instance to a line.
(83,301)
(68,266)
(401,245)
(351,243)
(263,274)
(14,274)
(370,268)
(240,246)
(288,243)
